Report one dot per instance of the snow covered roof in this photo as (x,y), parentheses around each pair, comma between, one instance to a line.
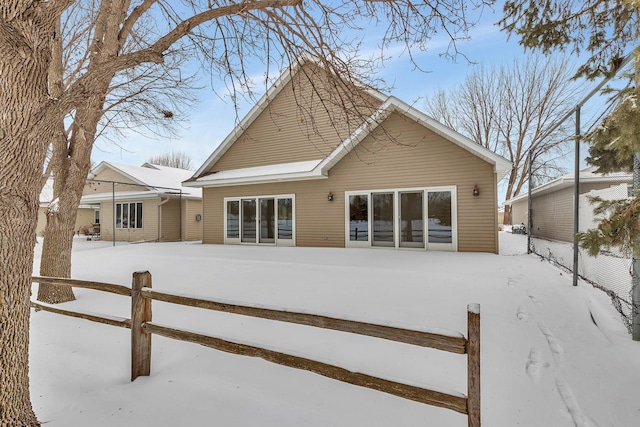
(586,175)
(389,105)
(278,172)
(162,180)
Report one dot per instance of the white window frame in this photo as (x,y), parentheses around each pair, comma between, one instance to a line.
(277,241)
(128,227)
(453,246)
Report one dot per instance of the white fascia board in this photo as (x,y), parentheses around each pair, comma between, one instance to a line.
(106,197)
(301,176)
(177,195)
(104,164)
(295,171)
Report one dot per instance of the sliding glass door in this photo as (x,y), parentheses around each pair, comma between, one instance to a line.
(422,218)
(259,220)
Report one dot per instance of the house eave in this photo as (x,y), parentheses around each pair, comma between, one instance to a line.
(257,180)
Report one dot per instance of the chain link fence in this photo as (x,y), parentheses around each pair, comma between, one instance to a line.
(552,233)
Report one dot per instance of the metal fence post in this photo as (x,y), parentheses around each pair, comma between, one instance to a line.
(140,313)
(635,262)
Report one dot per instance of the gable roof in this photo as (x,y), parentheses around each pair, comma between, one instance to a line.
(319,168)
(162,181)
(586,175)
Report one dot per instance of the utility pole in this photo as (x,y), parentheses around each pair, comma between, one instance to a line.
(635,261)
(576,200)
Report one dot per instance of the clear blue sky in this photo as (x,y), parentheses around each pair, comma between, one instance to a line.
(212,118)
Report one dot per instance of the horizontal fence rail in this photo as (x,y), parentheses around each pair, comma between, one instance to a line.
(453,343)
(422,395)
(98,286)
(142,328)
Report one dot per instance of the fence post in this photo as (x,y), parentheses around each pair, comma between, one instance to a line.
(140,313)
(473,364)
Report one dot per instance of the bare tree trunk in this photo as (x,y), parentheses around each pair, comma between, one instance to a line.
(56,252)
(70,173)
(24,61)
(70,163)
(507,215)
(17,238)
(61,215)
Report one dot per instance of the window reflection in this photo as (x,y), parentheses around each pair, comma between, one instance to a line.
(359,217)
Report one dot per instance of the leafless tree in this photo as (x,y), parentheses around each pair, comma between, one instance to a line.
(511,108)
(173,159)
(125,37)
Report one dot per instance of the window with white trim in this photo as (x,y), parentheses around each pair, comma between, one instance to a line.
(129,215)
(267,219)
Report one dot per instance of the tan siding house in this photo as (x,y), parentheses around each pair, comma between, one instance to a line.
(144,203)
(400,180)
(552,203)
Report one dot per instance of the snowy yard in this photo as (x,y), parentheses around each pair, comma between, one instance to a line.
(544,361)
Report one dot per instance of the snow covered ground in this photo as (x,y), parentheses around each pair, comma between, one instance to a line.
(552,355)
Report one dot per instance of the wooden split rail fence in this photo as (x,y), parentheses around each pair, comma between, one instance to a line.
(142,327)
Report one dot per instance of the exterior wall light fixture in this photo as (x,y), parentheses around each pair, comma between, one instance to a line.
(330,197)
(476,190)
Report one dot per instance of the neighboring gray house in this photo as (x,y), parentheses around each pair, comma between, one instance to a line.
(552,203)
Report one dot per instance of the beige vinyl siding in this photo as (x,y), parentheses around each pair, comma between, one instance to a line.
(191,228)
(170,221)
(418,158)
(421,158)
(552,213)
(109,174)
(285,132)
(149,232)
(519,212)
(83,219)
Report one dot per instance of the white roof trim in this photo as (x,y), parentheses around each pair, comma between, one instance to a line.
(104,164)
(261,174)
(137,195)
